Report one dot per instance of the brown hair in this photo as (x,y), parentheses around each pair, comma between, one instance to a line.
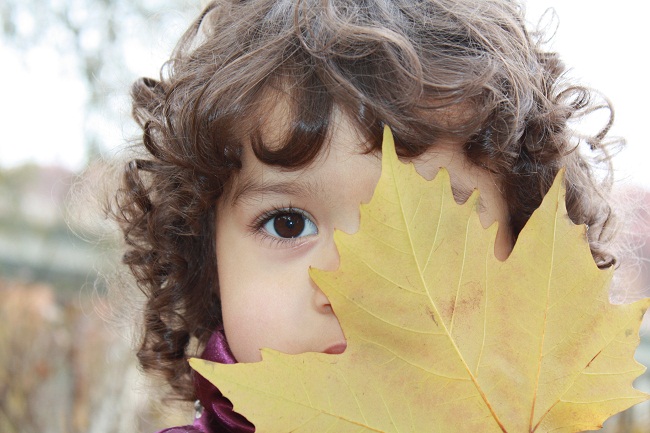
(426,68)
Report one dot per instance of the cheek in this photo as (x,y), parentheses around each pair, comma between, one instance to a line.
(240,291)
(259,298)
(248,310)
(261,311)
(247,323)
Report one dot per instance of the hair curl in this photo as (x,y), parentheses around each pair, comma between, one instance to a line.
(429,69)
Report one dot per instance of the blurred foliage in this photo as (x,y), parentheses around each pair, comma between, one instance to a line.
(38,242)
(66,363)
(94,38)
(65,371)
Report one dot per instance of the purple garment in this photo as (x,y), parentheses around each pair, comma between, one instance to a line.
(216,415)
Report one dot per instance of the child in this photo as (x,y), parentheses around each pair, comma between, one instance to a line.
(263,135)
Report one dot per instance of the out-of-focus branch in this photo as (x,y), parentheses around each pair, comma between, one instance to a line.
(91,38)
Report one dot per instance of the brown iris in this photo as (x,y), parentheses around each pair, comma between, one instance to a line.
(289,225)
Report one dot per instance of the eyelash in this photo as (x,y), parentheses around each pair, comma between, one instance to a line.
(257,226)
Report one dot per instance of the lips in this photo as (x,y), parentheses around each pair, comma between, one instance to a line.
(336,349)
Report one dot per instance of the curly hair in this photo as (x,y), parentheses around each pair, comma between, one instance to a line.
(429,69)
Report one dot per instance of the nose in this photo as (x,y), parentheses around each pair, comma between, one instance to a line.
(328,255)
(321,303)
(327,259)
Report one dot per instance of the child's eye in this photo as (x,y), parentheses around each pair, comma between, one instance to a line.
(289,223)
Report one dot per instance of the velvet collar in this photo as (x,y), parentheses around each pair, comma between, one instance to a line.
(214,412)
(217,415)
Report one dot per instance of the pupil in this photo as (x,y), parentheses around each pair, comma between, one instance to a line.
(289,225)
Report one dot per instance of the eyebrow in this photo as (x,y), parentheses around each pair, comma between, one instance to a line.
(251,188)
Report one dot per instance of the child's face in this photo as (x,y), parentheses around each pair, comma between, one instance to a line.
(274,224)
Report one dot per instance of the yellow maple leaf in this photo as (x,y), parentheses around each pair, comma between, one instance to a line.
(444,337)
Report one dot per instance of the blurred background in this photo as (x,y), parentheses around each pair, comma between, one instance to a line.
(66,351)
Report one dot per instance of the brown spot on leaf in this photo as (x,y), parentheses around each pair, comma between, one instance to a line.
(431,315)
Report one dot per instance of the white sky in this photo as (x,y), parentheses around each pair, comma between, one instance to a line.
(604,42)
(606,45)
(42,110)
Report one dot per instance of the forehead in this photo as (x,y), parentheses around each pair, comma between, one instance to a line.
(344,167)
(343,160)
